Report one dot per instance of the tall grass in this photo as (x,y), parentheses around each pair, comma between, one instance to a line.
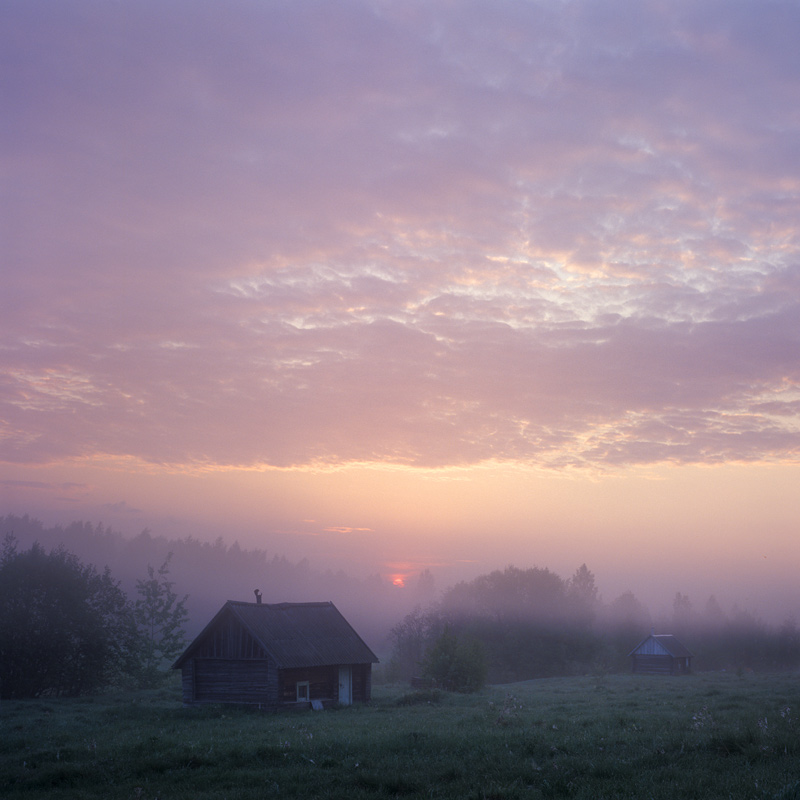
(703,736)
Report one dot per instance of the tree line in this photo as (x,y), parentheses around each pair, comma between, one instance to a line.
(507,625)
(216,571)
(516,624)
(67,629)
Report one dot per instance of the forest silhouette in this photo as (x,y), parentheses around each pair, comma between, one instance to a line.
(529,622)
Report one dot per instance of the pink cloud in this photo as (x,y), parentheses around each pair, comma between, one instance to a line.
(429,234)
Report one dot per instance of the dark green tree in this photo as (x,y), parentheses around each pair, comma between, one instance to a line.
(682,613)
(409,639)
(511,594)
(456,663)
(160,616)
(521,617)
(65,629)
(582,597)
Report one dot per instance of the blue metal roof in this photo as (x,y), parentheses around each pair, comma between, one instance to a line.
(661,644)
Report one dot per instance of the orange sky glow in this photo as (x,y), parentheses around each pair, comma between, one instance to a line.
(396,286)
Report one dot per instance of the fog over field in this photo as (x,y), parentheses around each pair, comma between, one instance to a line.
(399,287)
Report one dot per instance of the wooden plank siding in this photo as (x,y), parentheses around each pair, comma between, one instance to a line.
(187,682)
(362,683)
(660,654)
(229,639)
(256,682)
(324,683)
(321,680)
(218,680)
(653,664)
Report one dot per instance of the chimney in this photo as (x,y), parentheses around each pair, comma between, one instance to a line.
(257,593)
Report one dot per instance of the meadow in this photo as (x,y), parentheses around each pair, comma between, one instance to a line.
(714,735)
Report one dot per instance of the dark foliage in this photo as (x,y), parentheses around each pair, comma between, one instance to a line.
(533,624)
(739,641)
(65,629)
(456,663)
(505,626)
(409,639)
(160,616)
(217,571)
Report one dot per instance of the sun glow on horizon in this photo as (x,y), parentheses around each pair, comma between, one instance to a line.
(423,346)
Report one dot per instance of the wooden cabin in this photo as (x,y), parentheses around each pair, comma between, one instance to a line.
(277,655)
(660,654)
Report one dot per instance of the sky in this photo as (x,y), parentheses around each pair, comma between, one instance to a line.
(396,285)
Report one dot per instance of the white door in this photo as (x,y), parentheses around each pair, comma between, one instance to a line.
(345,686)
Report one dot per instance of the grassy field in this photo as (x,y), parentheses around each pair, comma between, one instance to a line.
(624,736)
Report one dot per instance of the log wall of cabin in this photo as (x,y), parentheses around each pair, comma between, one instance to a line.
(229,639)
(362,683)
(229,666)
(322,683)
(187,682)
(224,680)
(653,664)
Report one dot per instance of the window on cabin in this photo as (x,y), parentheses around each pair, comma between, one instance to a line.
(303,691)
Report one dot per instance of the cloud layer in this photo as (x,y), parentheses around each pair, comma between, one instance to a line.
(284,234)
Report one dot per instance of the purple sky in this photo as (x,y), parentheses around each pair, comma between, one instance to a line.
(559,237)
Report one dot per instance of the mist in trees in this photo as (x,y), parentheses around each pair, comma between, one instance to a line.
(67,629)
(528,622)
(532,623)
(213,572)
(160,617)
(174,587)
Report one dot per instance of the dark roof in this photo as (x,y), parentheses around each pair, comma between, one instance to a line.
(668,642)
(296,634)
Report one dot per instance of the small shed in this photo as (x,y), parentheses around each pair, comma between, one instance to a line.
(277,655)
(661,654)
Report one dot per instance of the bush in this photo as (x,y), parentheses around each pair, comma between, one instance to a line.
(457,664)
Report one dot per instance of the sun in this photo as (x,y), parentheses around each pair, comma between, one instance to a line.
(398,580)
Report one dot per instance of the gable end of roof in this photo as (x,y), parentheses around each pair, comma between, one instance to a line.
(295,634)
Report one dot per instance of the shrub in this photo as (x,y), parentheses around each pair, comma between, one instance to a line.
(455,663)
